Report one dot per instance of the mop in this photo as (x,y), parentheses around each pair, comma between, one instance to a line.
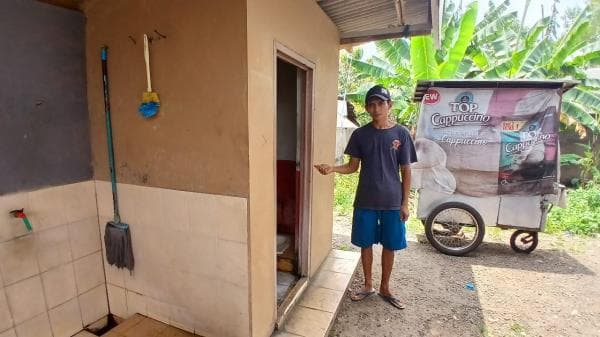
(150,101)
(117,237)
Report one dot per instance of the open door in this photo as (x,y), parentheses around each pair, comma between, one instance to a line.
(293,169)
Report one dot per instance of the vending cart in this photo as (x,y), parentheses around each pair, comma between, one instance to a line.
(488,155)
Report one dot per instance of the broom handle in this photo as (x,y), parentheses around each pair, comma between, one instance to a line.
(109,138)
(147,58)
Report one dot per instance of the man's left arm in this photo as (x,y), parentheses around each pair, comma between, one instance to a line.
(406,175)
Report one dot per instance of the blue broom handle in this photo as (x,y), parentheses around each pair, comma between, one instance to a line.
(109,137)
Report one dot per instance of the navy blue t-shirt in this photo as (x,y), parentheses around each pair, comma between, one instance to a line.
(381,152)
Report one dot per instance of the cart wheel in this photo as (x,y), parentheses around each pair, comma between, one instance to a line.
(524,241)
(454,228)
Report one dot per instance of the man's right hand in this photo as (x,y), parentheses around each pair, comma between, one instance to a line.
(324,169)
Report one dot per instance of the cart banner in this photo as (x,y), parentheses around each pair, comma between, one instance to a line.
(484,142)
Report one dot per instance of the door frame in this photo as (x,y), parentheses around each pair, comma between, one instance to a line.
(306,107)
(306,149)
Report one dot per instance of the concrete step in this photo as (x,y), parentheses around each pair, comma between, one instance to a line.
(313,315)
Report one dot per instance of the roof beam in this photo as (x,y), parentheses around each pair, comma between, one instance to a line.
(386,33)
(399,14)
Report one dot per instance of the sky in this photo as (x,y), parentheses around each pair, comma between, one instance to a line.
(534,12)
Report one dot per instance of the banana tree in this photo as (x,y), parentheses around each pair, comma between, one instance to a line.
(536,55)
(498,46)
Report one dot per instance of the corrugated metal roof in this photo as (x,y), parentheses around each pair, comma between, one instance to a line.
(423,86)
(367,20)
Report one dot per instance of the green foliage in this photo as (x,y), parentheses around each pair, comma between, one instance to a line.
(582,216)
(499,46)
(345,188)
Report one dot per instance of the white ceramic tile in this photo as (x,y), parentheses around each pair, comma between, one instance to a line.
(285,334)
(331,280)
(85,237)
(38,326)
(104,198)
(158,310)
(233,214)
(6,320)
(148,207)
(321,299)
(79,201)
(84,334)
(59,285)
(17,259)
(232,262)
(204,214)
(149,238)
(308,322)
(66,319)
(342,254)
(89,272)
(47,208)
(93,305)
(53,247)
(8,333)
(343,266)
(11,227)
(175,209)
(196,292)
(134,280)
(232,311)
(26,299)
(182,318)
(197,254)
(136,304)
(117,302)
(158,283)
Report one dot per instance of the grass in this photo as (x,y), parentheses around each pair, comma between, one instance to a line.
(581,217)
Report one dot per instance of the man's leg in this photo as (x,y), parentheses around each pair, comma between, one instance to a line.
(366,256)
(364,235)
(393,238)
(387,262)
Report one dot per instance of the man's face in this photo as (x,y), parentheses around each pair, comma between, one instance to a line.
(377,107)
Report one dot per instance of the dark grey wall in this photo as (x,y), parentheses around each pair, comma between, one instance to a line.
(44,125)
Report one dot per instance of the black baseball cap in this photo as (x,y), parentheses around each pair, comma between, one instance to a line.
(378,91)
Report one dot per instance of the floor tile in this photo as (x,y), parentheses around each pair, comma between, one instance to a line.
(321,299)
(308,322)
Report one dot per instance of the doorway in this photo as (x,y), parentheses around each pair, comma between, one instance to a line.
(293,174)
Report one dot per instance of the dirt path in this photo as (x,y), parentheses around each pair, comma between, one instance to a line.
(554,291)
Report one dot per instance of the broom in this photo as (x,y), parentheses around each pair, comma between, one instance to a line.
(150,101)
(117,238)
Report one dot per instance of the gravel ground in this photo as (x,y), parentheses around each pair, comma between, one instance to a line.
(554,291)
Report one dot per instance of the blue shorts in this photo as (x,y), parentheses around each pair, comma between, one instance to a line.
(371,226)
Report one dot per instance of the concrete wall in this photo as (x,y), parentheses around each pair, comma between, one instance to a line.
(302,26)
(199,140)
(43,107)
(183,175)
(190,259)
(51,280)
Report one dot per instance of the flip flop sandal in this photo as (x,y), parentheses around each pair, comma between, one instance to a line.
(393,301)
(361,295)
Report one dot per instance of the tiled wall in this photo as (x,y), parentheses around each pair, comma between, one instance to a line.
(191,259)
(51,280)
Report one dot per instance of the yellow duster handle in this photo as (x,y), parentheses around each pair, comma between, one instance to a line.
(147,58)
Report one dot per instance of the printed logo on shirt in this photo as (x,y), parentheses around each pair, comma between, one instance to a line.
(396,144)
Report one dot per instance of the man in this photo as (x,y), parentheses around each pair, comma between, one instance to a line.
(381,204)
